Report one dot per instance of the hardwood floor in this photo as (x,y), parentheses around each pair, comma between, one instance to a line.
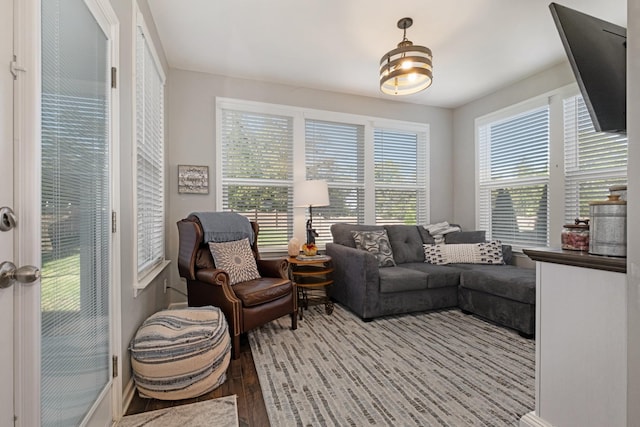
(242,380)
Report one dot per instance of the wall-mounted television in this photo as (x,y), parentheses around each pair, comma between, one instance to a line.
(597,52)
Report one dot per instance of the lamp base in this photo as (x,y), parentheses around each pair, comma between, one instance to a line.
(311,233)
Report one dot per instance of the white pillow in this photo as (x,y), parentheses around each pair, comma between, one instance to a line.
(464,253)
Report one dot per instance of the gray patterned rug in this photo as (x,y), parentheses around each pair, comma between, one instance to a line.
(428,369)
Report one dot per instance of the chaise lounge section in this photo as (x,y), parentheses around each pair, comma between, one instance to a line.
(501,293)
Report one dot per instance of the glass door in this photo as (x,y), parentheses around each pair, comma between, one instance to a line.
(76,214)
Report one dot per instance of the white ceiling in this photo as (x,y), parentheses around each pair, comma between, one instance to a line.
(478,45)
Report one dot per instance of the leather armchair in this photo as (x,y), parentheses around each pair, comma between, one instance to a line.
(246,305)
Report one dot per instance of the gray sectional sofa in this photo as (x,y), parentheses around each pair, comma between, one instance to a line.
(504,294)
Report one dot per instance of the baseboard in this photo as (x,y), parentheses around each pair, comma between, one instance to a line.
(532,420)
(127,396)
(176,305)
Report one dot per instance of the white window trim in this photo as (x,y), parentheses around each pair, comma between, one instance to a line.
(299,114)
(140,282)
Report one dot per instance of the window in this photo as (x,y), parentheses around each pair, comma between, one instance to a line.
(514,178)
(400,176)
(335,152)
(515,184)
(149,155)
(593,161)
(262,149)
(257,171)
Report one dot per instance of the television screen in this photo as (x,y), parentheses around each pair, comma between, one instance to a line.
(598,56)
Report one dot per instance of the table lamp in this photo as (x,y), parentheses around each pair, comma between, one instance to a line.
(311,193)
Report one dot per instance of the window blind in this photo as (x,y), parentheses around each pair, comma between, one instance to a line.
(257,172)
(335,152)
(514,178)
(401,172)
(149,157)
(593,161)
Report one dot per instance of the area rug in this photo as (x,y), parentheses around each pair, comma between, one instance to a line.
(221,412)
(430,369)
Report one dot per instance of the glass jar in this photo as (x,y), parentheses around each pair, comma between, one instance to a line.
(575,237)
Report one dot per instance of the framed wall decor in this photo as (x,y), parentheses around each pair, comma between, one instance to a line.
(193,179)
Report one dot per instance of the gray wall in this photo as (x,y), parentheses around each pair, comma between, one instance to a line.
(191,115)
(633,211)
(464,176)
(134,309)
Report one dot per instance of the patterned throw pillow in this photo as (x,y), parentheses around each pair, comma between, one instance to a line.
(236,259)
(376,242)
(464,253)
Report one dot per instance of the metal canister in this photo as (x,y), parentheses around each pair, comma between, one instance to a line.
(608,227)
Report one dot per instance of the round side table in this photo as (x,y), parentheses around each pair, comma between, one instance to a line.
(312,275)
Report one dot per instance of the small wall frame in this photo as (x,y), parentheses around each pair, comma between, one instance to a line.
(193,179)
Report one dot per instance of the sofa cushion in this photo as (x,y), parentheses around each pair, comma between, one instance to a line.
(342,232)
(507,254)
(477,236)
(262,291)
(439,276)
(507,281)
(426,237)
(399,279)
(406,243)
(377,243)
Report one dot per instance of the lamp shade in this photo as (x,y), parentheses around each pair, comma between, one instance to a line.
(310,193)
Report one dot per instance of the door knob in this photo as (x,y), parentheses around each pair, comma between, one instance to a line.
(9,273)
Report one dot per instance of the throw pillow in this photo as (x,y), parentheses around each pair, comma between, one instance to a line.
(236,259)
(377,243)
(464,253)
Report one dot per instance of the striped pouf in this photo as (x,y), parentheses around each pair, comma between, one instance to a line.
(180,354)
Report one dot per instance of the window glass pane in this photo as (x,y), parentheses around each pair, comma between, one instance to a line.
(76,212)
(594,161)
(519,215)
(400,177)
(257,172)
(335,152)
(269,206)
(149,157)
(520,146)
(514,176)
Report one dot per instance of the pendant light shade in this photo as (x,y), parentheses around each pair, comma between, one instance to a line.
(406,69)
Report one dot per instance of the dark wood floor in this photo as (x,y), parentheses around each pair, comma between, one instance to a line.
(242,380)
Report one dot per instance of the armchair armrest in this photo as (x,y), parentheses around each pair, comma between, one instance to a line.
(356,278)
(213,276)
(273,267)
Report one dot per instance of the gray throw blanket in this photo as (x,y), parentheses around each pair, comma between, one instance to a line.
(224,226)
(439,229)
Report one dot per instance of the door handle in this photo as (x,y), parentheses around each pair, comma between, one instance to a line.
(9,273)
(7,219)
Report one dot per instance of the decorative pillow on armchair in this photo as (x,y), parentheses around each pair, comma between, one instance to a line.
(376,242)
(464,253)
(236,258)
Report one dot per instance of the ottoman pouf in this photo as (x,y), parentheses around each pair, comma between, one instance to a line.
(180,354)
